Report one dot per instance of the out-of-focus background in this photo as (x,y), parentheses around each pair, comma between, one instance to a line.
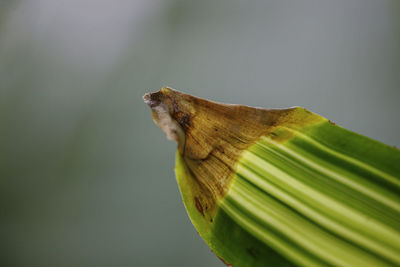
(86,178)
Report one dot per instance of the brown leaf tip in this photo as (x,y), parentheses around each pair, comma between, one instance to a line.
(152,99)
(162,116)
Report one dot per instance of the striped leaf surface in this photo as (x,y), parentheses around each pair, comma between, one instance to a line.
(324,196)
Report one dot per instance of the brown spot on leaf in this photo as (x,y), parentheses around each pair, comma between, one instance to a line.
(155,99)
(183,120)
(198,205)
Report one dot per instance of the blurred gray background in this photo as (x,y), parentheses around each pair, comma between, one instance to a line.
(86,178)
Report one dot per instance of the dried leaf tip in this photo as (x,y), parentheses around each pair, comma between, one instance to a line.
(162,116)
(211,137)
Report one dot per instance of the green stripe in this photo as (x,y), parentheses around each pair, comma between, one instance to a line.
(346,178)
(315,197)
(386,176)
(329,187)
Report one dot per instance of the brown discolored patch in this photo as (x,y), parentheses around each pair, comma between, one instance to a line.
(331,122)
(155,99)
(198,205)
(183,120)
